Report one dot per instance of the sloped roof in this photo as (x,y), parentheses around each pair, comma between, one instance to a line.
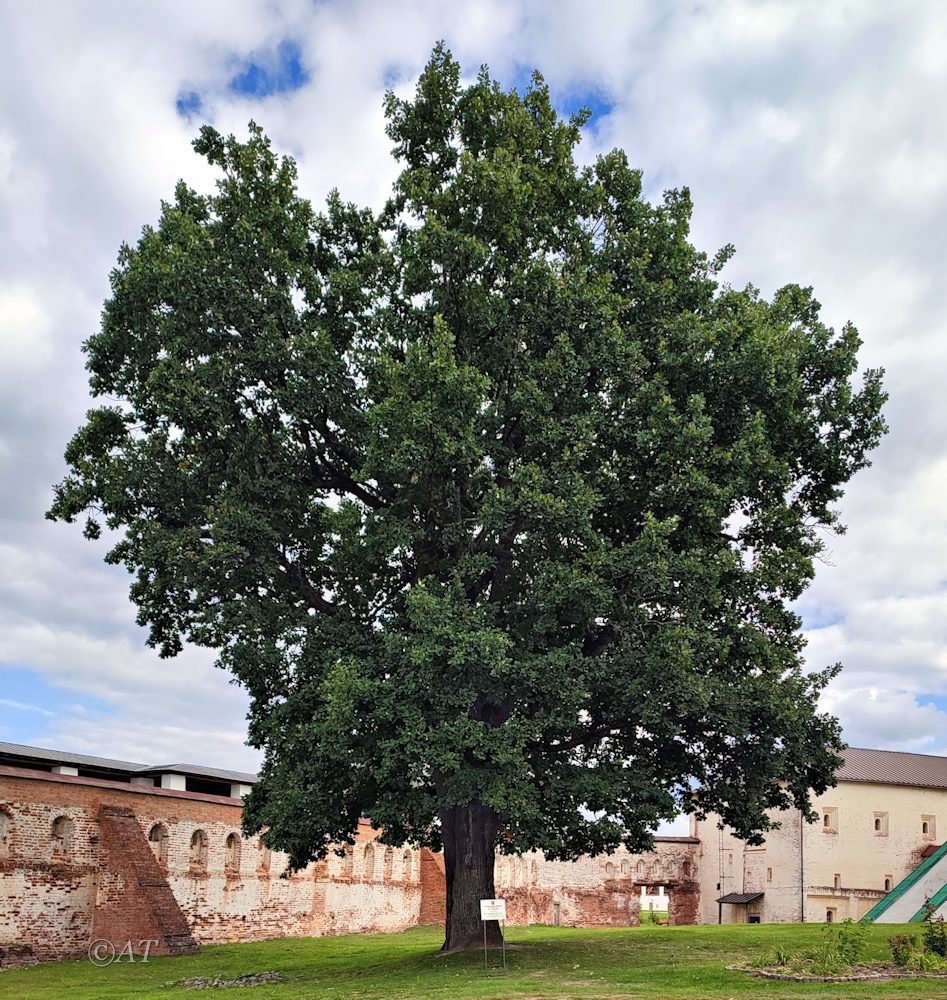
(739,897)
(44,756)
(40,755)
(199,771)
(893,767)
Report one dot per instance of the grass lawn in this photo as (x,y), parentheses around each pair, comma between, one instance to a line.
(647,961)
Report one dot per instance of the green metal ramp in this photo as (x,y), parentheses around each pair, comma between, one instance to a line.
(905,903)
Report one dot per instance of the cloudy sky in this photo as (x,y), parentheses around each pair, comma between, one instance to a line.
(813,136)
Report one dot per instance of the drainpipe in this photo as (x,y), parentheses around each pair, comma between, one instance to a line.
(802,870)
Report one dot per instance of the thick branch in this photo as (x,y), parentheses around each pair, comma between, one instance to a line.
(296,575)
(598,642)
(331,476)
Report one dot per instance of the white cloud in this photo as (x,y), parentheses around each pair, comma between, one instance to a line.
(894,720)
(811,136)
(24,331)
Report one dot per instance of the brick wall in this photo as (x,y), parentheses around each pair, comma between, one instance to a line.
(601,891)
(433,909)
(134,901)
(110,884)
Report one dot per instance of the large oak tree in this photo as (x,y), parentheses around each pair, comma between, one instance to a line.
(494,501)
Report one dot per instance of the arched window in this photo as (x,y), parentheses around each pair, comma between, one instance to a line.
(198,852)
(62,835)
(609,870)
(263,860)
(925,826)
(640,867)
(826,820)
(389,862)
(158,839)
(368,863)
(877,824)
(625,868)
(686,869)
(6,833)
(406,866)
(232,853)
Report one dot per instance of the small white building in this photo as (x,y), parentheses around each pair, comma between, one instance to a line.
(653,898)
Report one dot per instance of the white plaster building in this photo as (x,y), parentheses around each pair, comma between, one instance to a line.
(887,813)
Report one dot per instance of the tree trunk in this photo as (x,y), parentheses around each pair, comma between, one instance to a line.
(469,834)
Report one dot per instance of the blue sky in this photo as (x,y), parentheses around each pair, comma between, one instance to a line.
(256,77)
(265,74)
(567,100)
(29,704)
(811,136)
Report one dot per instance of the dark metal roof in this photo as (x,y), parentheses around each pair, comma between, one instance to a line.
(199,771)
(43,756)
(39,755)
(739,897)
(893,767)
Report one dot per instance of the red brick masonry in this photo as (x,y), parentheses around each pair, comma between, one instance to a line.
(106,881)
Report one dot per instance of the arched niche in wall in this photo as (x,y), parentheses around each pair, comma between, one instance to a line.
(368,863)
(6,832)
(61,835)
(158,841)
(232,853)
(198,851)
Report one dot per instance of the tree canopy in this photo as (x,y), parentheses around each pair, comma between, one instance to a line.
(495,499)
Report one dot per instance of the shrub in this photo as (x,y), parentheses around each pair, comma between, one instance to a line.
(926,961)
(852,941)
(935,934)
(903,946)
(782,956)
(828,958)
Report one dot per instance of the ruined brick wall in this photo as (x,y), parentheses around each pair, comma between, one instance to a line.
(602,891)
(113,882)
(47,897)
(56,903)
(134,902)
(684,904)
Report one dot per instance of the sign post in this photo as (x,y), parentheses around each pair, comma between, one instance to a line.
(493,909)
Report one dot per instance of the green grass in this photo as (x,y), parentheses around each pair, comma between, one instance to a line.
(655,962)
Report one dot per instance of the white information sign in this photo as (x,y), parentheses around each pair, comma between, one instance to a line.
(493,909)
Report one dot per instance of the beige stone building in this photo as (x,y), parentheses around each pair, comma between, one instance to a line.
(887,813)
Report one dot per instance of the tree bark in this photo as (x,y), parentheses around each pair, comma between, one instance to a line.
(469,834)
